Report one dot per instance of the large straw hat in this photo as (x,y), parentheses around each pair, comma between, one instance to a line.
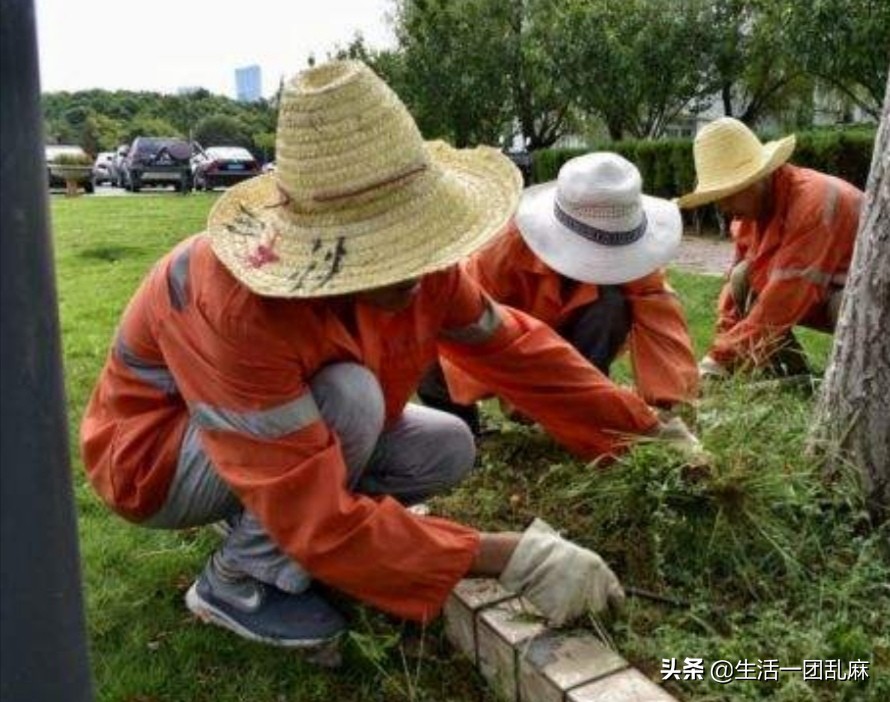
(358,200)
(593,224)
(729,158)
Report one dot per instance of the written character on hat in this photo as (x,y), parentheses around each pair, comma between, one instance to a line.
(359,200)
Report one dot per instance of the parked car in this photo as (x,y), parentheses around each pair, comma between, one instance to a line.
(102,167)
(270,167)
(117,165)
(68,163)
(157,161)
(223,165)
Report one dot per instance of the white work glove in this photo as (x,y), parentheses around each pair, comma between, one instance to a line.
(675,432)
(709,369)
(558,577)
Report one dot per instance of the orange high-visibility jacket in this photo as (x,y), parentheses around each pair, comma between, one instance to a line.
(196,345)
(796,258)
(660,348)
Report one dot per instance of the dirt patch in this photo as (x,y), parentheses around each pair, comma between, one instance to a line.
(704,255)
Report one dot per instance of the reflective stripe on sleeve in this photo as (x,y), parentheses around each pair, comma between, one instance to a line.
(829,208)
(155,374)
(178,279)
(480,331)
(811,275)
(265,424)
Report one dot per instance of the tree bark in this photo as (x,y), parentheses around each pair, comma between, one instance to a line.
(853,413)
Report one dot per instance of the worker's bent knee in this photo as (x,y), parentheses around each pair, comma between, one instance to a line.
(351,403)
(348,389)
(458,451)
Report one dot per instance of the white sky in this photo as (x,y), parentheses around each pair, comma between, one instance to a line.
(161,45)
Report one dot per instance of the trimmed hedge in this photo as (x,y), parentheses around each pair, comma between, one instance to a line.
(668,169)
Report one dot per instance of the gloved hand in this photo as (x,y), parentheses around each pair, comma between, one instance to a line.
(558,577)
(674,430)
(709,369)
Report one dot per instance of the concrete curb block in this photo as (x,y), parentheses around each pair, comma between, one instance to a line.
(525,661)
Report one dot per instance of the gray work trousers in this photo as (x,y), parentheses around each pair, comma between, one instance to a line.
(426,452)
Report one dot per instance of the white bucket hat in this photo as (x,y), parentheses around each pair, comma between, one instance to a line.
(358,200)
(594,225)
(729,158)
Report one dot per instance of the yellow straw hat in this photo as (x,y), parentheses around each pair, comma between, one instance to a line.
(729,158)
(358,200)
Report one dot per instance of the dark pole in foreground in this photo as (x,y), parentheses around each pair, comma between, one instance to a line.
(43,654)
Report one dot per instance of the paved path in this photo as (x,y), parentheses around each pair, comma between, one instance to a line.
(705,255)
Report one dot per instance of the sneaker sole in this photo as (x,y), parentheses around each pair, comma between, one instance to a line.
(211,615)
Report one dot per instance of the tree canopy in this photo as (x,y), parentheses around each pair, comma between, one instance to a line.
(99,120)
(482,71)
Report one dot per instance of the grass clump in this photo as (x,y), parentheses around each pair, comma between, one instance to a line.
(754,558)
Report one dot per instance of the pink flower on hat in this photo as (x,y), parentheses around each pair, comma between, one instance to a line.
(264,252)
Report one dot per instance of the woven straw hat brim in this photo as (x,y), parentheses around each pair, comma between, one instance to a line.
(775,153)
(580,259)
(434,220)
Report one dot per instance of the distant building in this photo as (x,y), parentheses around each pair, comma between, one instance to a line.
(248,84)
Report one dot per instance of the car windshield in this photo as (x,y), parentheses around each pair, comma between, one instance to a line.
(152,145)
(229,153)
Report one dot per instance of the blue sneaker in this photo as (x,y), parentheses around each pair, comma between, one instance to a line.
(261,612)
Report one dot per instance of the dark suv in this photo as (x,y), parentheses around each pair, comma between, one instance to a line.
(157,161)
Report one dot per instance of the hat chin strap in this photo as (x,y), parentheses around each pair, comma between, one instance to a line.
(599,236)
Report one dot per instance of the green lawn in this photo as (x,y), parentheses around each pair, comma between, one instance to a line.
(774,564)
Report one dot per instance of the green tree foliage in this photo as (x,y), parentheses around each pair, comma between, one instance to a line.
(99,120)
(145,125)
(635,63)
(475,71)
(753,67)
(389,65)
(100,133)
(264,143)
(542,99)
(222,130)
(845,43)
(456,67)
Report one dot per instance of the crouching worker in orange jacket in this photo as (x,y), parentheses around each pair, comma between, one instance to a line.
(794,231)
(584,256)
(262,371)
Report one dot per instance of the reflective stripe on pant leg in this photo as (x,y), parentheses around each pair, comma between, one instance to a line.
(425,453)
(350,401)
(599,330)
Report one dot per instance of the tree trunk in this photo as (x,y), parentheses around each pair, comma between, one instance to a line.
(853,414)
(726,95)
